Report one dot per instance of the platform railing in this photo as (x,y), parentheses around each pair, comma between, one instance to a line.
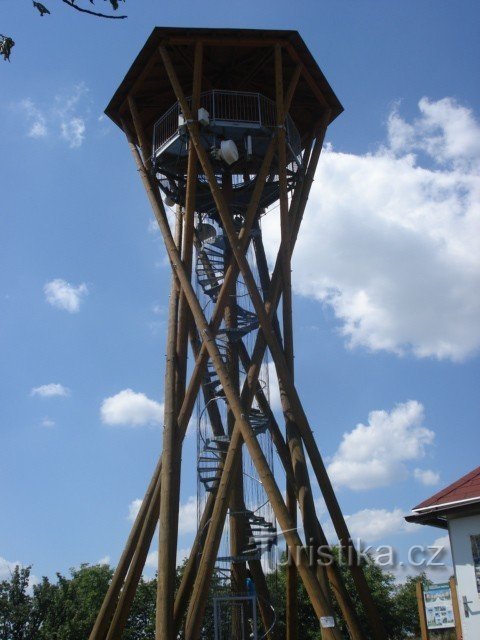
(231,107)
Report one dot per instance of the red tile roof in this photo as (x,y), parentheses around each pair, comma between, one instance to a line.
(467,488)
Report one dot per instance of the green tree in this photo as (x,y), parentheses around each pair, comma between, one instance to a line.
(406,607)
(72,603)
(66,609)
(16,619)
(141,622)
(396,603)
(382,586)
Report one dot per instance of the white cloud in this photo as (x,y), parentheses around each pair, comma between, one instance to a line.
(183,554)
(134,508)
(104,560)
(444,543)
(63,295)
(36,119)
(374,455)
(159,310)
(187,517)
(153,227)
(132,409)
(437,563)
(445,130)
(72,124)
(371,525)
(442,568)
(427,477)
(152,560)
(38,130)
(66,115)
(48,423)
(444,558)
(73,131)
(274,389)
(50,390)
(391,245)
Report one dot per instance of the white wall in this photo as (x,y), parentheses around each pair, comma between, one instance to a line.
(460,530)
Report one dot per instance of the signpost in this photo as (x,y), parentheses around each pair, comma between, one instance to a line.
(437,608)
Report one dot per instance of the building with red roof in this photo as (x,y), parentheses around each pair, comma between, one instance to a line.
(457,509)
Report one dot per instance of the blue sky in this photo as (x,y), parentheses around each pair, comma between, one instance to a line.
(386,271)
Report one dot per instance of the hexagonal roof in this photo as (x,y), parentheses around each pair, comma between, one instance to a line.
(234,59)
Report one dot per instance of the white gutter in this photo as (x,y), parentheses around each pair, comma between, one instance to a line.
(446,504)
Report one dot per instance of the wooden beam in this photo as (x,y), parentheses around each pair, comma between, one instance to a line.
(456,608)
(110,601)
(145,146)
(224,42)
(137,565)
(421,610)
(184,425)
(139,80)
(255,68)
(291,577)
(190,571)
(171,466)
(311,82)
(188,232)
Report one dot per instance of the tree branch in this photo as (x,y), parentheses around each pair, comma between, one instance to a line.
(72,4)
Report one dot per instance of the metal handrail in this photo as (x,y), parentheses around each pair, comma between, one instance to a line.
(227,106)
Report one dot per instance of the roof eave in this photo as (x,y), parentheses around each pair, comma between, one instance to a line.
(151,45)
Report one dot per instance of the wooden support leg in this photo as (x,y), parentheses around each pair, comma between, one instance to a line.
(184,316)
(108,606)
(291,581)
(127,595)
(190,571)
(169,505)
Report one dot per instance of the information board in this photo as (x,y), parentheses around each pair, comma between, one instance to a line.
(438,606)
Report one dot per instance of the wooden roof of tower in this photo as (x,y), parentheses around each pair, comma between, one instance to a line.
(236,59)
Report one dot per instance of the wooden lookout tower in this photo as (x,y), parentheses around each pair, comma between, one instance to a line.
(226,126)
